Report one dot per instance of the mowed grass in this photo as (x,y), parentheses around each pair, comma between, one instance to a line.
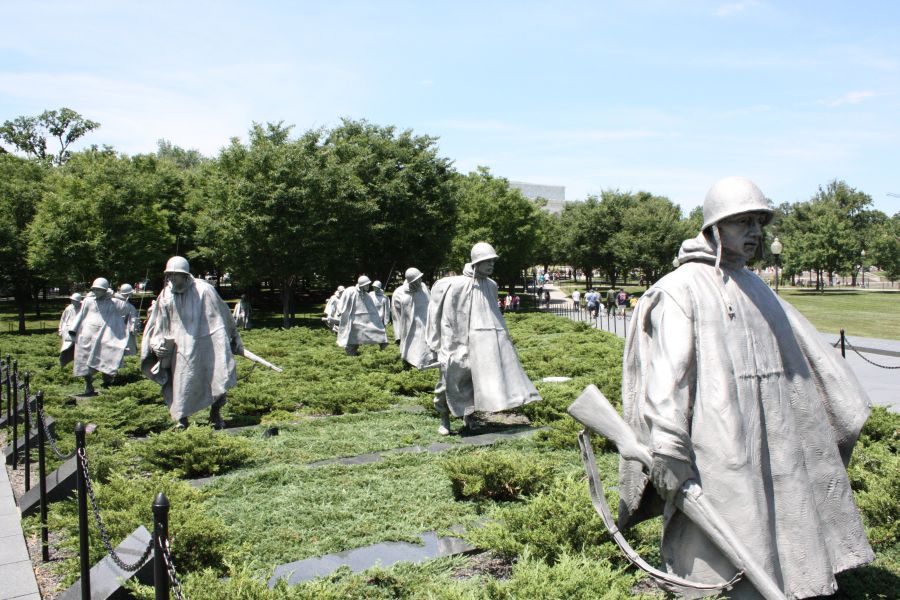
(872,314)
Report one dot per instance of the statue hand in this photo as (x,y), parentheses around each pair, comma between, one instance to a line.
(237,346)
(161,351)
(668,474)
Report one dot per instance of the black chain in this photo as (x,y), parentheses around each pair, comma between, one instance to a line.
(104,536)
(867,360)
(173,576)
(49,437)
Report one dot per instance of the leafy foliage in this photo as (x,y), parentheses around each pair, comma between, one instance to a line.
(195,452)
(497,475)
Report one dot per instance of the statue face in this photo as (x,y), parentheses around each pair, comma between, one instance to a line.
(365,288)
(179,282)
(485,267)
(741,234)
(415,286)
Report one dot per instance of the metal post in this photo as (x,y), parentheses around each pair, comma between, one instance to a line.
(160,537)
(83,545)
(15,419)
(27,402)
(843,350)
(9,405)
(3,370)
(42,474)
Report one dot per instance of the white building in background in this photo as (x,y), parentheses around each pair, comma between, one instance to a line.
(555,195)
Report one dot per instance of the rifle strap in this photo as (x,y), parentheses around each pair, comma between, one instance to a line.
(667,581)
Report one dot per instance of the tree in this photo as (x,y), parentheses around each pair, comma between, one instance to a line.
(102,217)
(652,232)
(30,134)
(582,234)
(22,184)
(491,211)
(397,203)
(267,209)
(884,244)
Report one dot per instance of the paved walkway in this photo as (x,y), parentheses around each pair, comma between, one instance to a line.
(16,573)
(882,384)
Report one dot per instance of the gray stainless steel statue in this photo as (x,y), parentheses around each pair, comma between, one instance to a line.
(382,302)
(132,321)
(480,370)
(360,323)
(332,316)
(410,311)
(100,336)
(241,313)
(67,349)
(732,390)
(189,344)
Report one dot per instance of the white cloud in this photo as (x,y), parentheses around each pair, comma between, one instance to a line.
(732,8)
(851,98)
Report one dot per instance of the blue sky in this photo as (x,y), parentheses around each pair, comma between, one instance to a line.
(644,95)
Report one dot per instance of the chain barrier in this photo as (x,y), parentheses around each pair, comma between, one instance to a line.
(846,341)
(48,435)
(170,567)
(104,535)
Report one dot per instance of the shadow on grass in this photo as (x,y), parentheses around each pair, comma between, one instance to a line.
(869,582)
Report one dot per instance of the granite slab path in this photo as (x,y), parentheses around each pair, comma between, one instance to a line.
(16,573)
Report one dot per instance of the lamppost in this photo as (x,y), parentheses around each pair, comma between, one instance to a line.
(776,249)
(862,267)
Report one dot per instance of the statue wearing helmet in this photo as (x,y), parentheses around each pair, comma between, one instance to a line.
(67,350)
(410,312)
(731,387)
(189,344)
(132,320)
(100,337)
(360,322)
(382,303)
(332,316)
(241,313)
(480,370)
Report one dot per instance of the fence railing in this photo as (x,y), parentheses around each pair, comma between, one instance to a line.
(35,423)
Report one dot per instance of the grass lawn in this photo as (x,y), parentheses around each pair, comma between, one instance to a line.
(872,314)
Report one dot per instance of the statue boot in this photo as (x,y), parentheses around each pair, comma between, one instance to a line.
(215,413)
(444,428)
(89,386)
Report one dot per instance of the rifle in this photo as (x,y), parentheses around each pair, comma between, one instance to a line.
(595,412)
(250,356)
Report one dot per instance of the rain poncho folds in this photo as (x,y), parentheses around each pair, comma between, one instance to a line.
(131,325)
(100,335)
(410,310)
(382,305)
(241,314)
(67,349)
(360,322)
(480,370)
(718,371)
(199,325)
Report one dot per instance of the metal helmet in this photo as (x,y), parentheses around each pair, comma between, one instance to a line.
(178,264)
(76,297)
(412,274)
(101,283)
(363,280)
(733,196)
(483,251)
(125,289)
(377,284)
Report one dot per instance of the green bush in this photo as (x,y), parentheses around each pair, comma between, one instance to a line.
(194,452)
(497,474)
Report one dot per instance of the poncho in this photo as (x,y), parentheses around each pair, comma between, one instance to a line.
(202,330)
(382,305)
(410,311)
(131,325)
(67,349)
(100,336)
(360,322)
(479,364)
(720,372)
(241,314)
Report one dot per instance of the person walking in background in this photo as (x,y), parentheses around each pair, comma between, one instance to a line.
(576,299)
(621,302)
